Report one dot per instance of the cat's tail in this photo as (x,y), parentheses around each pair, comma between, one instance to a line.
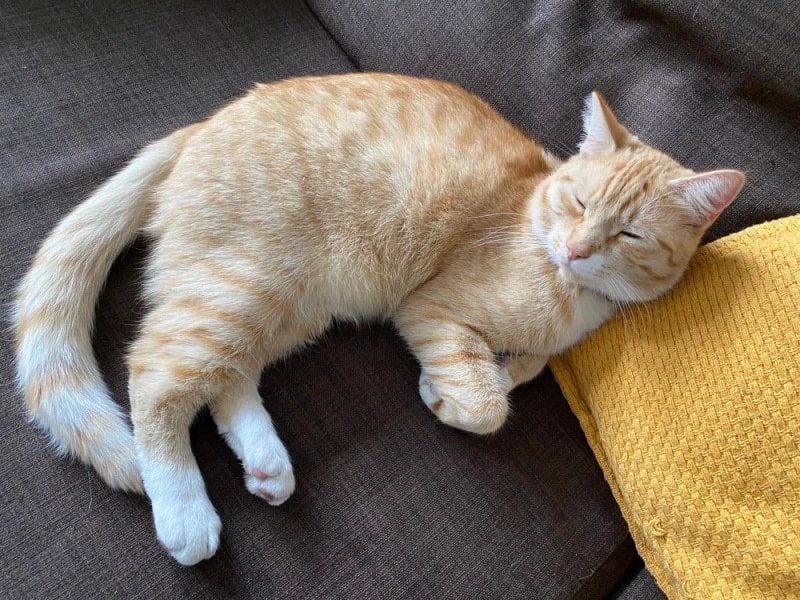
(54,316)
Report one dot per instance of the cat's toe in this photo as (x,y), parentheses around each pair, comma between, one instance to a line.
(270,475)
(189,531)
(483,417)
(275,486)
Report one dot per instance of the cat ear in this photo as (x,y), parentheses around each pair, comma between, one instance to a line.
(602,133)
(709,193)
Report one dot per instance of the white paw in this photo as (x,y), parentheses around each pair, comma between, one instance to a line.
(246,426)
(188,530)
(270,476)
(186,523)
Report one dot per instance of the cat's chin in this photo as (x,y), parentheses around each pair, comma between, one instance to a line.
(582,284)
(570,271)
(573,277)
(618,292)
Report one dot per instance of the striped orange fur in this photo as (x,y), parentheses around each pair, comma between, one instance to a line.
(352,197)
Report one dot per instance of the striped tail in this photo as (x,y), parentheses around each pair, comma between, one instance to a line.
(54,317)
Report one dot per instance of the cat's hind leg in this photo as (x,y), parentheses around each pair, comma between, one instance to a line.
(244,423)
(162,409)
(186,355)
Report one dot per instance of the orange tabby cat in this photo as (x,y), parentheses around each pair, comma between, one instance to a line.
(350,197)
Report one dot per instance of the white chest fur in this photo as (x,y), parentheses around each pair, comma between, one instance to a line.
(590,311)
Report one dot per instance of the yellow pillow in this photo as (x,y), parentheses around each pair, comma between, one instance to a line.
(691,405)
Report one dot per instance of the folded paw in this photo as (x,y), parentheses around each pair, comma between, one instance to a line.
(480,411)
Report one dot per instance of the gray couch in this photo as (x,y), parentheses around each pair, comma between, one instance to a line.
(389,503)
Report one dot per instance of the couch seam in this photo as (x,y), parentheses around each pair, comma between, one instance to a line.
(335,39)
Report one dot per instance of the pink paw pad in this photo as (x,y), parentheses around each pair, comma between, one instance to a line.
(262,476)
(258,474)
(273,483)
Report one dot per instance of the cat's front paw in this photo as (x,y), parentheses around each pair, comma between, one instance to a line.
(483,412)
(188,530)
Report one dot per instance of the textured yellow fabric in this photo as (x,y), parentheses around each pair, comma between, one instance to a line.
(692,407)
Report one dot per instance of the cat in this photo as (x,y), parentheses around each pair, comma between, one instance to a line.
(356,197)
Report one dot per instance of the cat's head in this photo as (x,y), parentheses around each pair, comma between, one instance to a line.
(622,218)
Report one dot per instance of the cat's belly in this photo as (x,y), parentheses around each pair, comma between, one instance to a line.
(355,292)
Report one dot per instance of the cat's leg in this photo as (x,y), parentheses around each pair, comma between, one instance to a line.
(177,364)
(244,423)
(524,367)
(461,381)
(162,410)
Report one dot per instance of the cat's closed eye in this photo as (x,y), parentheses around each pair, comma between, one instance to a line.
(630,235)
(580,204)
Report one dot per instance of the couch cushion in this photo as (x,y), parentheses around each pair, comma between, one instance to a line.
(714,84)
(641,586)
(389,504)
(693,409)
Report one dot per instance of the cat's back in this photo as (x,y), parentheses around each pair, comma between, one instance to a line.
(350,174)
(370,153)
(379,138)
(377,108)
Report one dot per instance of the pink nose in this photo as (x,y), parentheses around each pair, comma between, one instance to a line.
(576,251)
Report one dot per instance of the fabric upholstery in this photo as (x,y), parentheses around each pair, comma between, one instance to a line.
(641,587)
(693,408)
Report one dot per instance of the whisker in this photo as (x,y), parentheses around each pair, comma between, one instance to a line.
(523,240)
(500,228)
(497,214)
(504,235)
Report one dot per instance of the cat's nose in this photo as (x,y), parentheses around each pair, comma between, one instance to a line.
(576,250)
